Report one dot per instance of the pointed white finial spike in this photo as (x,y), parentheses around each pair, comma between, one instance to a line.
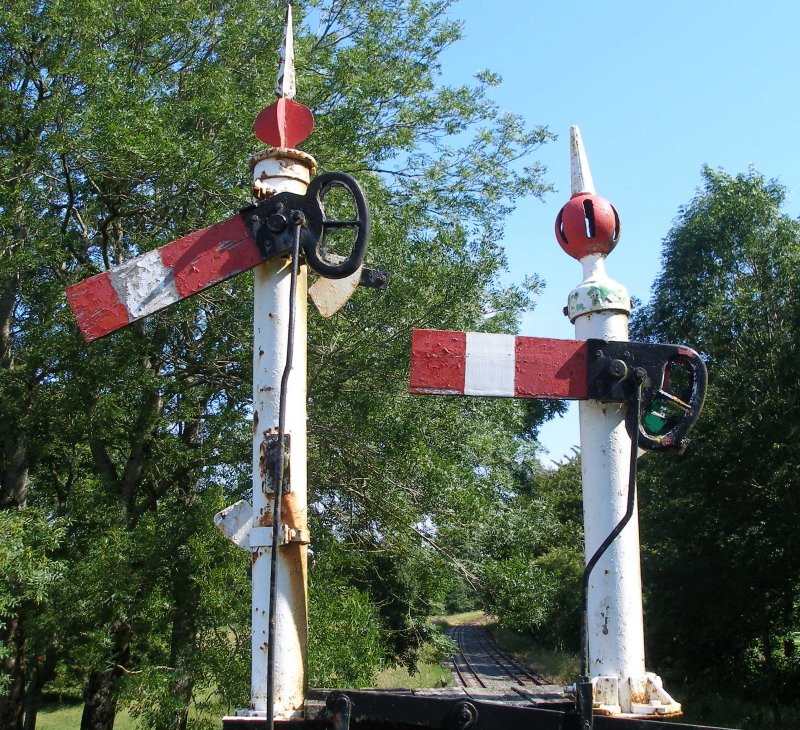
(286,86)
(580,173)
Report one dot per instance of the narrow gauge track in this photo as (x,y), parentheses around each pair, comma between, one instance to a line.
(481,662)
(462,667)
(515,669)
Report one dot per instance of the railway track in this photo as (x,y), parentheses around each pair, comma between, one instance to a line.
(465,673)
(481,663)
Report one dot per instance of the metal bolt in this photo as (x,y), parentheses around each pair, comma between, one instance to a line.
(618,369)
(277,223)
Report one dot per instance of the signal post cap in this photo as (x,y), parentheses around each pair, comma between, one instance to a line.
(588,224)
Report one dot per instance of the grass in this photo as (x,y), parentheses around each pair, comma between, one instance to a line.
(428,674)
(459,619)
(68,717)
(65,714)
(559,667)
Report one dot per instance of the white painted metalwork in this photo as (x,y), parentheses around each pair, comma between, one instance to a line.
(270,338)
(599,308)
(236,522)
(330,295)
(250,527)
(580,173)
(286,85)
(489,367)
(597,292)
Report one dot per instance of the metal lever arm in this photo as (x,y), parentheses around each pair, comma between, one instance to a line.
(315,252)
(657,428)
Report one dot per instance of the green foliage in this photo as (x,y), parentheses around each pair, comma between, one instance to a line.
(720,523)
(345,644)
(29,573)
(533,557)
(28,568)
(125,128)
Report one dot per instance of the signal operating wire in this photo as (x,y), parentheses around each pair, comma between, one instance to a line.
(584,702)
(297,220)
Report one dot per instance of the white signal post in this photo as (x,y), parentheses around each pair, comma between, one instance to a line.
(157,279)
(278,170)
(284,172)
(599,309)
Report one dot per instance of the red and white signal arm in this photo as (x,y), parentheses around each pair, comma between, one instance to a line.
(164,276)
(487,364)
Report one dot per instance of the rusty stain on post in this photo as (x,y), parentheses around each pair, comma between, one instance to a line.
(271,282)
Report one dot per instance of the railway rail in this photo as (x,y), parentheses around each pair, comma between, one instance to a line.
(481,663)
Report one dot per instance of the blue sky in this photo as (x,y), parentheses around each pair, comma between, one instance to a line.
(658,90)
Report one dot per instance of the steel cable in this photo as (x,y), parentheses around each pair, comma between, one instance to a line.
(297,222)
(585,712)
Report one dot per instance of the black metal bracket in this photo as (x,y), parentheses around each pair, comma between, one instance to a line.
(465,716)
(270,456)
(271,223)
(338,707)
(374,279)
(668,411)
(402,710)
(584,699)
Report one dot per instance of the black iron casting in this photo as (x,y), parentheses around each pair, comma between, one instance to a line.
(387,710)
(611,372)
(271,222)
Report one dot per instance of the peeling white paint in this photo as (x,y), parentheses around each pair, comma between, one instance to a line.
(286,84)
(580,173)
(270,341)
(144,284)
(236,522)
(599,308)
(598,292)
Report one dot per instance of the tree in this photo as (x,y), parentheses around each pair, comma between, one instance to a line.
(720,523)
(532,556)
(124,129)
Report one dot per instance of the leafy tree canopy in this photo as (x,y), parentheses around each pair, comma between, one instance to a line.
(124,128)
(720,523)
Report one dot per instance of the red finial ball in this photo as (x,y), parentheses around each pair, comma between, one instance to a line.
(587,224)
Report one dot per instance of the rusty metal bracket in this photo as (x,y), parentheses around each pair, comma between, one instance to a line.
(261,537)
(271,453)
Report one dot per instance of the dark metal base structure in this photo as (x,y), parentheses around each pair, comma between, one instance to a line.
(382,710)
